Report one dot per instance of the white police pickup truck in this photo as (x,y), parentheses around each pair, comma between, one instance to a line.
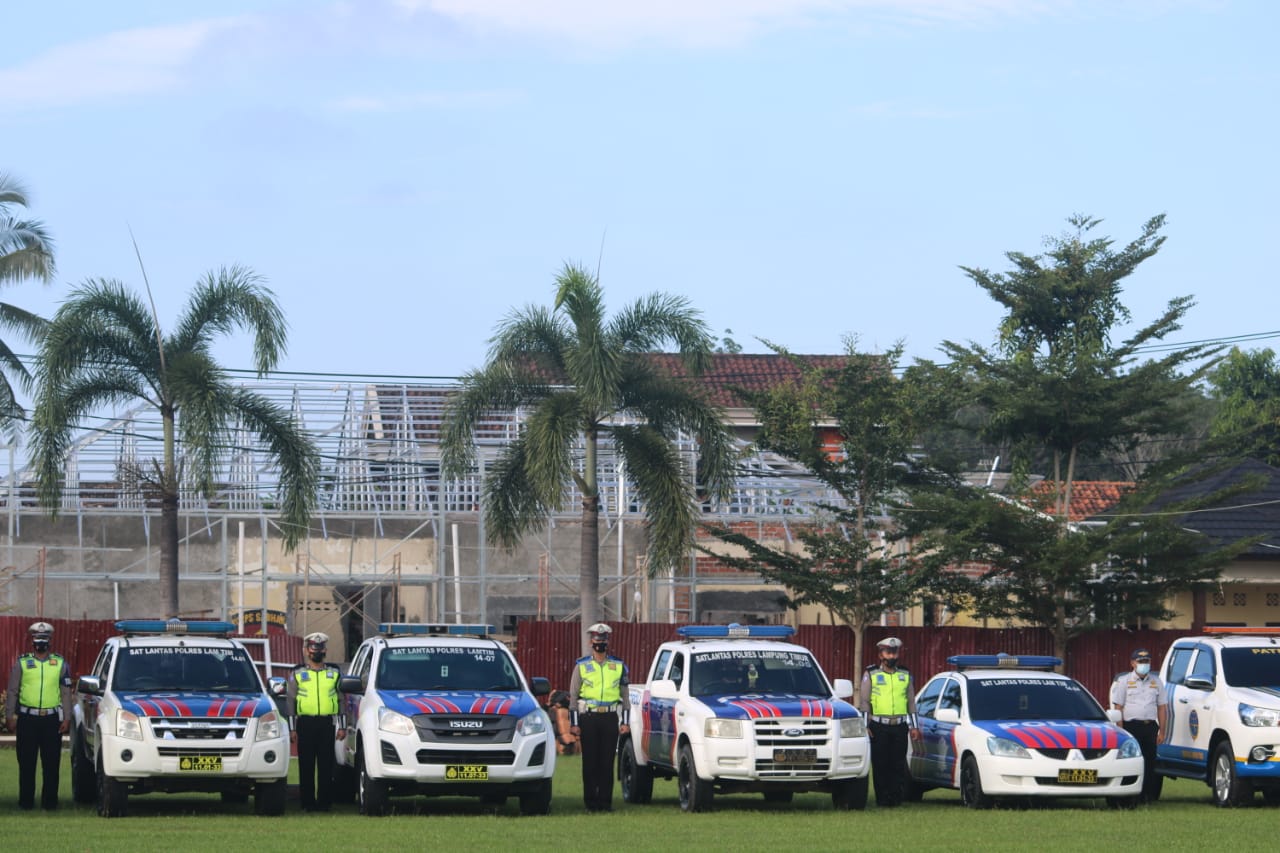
(731,708)
(176,706)
(444,710)
(1224,713)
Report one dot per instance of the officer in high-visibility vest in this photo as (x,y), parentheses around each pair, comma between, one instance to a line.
(315,717)
(38,708)
(599,712)
(888,698)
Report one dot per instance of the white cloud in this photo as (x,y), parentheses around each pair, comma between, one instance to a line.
(410,101)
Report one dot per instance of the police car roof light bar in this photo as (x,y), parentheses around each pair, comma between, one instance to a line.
(439,629)
(1003,661)
(1243,632)
(734,631)
(175,626)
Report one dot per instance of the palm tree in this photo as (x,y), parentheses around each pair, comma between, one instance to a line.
(26,251)
(104,347)
(582,377)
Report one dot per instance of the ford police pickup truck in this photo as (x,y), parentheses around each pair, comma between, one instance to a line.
(176,706)
(734,709)
(444,710)
(1224,713)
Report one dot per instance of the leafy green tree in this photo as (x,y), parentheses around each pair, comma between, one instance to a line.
(1246,386)
(105,347)
(1057,386)
(26,252)
(582,378)
(846,564)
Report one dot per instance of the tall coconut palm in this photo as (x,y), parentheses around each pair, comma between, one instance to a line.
(26,252)
(105,347)
(583,377)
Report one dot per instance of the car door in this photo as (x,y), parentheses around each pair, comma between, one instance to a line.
(922,762)
(89,703)
(1191,672)
(351,704)
(660,717)
(943,745)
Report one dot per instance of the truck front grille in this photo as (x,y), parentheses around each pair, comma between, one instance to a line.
(199,728)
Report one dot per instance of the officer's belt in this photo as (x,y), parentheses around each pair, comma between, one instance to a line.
(36,712)
(600,709)
(889,721)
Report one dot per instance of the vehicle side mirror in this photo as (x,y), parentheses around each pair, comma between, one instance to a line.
(1198,682)
(540,686)
(277,686)
(844,688)
(947,715)
(351,684)
(90,684)
(664,688)
(1115,716)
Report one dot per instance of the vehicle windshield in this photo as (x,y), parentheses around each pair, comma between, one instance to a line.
(757,671)
(446,668)
(1015,698)
(1258,667)
(184,669)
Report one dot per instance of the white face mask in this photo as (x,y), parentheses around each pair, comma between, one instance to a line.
(1142,668)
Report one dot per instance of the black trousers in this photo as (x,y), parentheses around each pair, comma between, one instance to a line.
(888,761)
(599,743)
(38,737)
(315,753)
(1145,731)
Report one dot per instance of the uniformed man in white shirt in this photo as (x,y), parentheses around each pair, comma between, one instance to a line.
(1140,696)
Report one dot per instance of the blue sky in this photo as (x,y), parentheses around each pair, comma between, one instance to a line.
(404,173)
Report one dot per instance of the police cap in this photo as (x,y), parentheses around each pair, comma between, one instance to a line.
(317,638)
(890,643)
(40,629)
(1140,654)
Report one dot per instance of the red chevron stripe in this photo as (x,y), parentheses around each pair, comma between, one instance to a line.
(752,711)
(417,703)
(1061,738)
(147,709)
(216,706)
(1023,737)
(1112,739)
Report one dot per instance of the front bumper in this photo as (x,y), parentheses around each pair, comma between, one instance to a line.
(131,760)
(748,760)
(405,758)
(1038,777)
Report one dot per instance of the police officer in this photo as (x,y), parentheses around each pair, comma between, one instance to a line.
(888,698)
(598,714)
(1139,696)
(315,717)
(38,708)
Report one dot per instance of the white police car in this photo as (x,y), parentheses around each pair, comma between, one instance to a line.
(1224,713)
(444,710)
(1003,726)
(176,706)
(732,708)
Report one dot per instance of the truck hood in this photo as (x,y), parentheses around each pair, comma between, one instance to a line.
(1262,697)
(195,704)
(1057,734)
(752,706)
(414,702)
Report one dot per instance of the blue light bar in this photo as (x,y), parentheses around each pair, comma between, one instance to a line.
(419,629)
(174,626)
(735,631)
(1004,661)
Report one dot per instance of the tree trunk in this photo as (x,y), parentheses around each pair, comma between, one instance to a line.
(859,643)
(589,545)
(169,552)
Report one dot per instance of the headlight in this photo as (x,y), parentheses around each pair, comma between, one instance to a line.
(268,726)
(853,727)
(1006,748)
(394,722)
(716,727)
(532,723)
(1251,716)
(128,725)
(1131,749)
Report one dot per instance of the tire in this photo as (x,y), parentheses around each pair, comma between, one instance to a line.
(372,793)
(537,802)
(636,781)
(235,797)
(113,795)
(1229,790)
(850,794)
(971,792)
(345,784)
(696,794)
(269,797)
(779,796)
(84,781)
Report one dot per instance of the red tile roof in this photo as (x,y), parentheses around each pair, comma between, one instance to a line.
(1088,497)
(756,372)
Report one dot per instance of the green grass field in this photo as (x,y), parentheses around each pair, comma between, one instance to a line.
(1184,819)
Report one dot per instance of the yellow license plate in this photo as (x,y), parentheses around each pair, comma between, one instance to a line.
(200,763)
(466,772)
(1078,776)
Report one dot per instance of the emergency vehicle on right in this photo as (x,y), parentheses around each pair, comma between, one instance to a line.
(1224,713)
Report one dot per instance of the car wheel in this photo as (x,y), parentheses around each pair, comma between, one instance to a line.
(1229,790)
(850,794)
(695,794)
(971,785)
(84,781)
(113,795)
(269,797)
(636,781)
(371,792)
(538,801)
